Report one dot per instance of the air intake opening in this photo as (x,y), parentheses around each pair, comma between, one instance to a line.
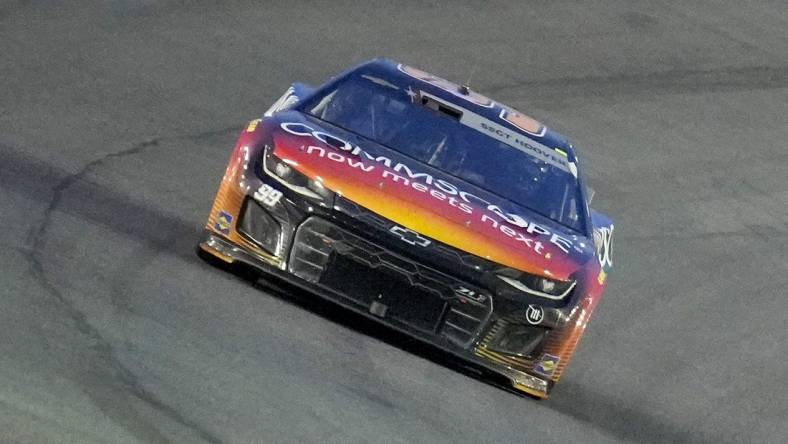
(440,107)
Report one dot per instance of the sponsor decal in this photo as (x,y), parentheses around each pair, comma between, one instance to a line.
(470,294)
(534,314)
(603,240)
(399,174)
(223,222)
(267,195)
(602,277)
(409,236)
(515,140)
(253,125)
(546,365)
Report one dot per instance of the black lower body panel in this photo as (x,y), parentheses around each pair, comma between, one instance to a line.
(385,293)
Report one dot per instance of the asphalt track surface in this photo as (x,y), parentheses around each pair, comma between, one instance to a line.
(116,122)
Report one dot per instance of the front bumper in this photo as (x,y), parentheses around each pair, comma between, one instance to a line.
(329,253)
(343,267)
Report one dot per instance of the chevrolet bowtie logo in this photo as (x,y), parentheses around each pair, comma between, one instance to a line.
(410,236)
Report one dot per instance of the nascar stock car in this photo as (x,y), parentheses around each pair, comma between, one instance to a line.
(427,207)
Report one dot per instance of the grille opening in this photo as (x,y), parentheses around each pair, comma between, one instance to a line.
(387,285)
(515,339)
(257,225)
(422,309)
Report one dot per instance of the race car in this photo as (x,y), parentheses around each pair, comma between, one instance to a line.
(427,207)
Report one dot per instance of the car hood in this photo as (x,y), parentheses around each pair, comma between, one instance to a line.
(426,200)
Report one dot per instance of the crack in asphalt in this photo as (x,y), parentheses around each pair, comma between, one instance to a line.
(104,350)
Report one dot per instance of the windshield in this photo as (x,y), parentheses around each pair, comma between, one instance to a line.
(416,126)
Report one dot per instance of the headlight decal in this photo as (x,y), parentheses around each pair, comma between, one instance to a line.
(285,171)
(541,286)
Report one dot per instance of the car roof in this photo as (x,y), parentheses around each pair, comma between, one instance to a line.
(406,76)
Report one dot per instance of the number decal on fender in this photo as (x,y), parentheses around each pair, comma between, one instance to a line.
(267,195)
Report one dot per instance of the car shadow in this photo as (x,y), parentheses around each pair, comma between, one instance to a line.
(598,410)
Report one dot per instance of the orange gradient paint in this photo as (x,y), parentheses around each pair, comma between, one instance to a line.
(482,232)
